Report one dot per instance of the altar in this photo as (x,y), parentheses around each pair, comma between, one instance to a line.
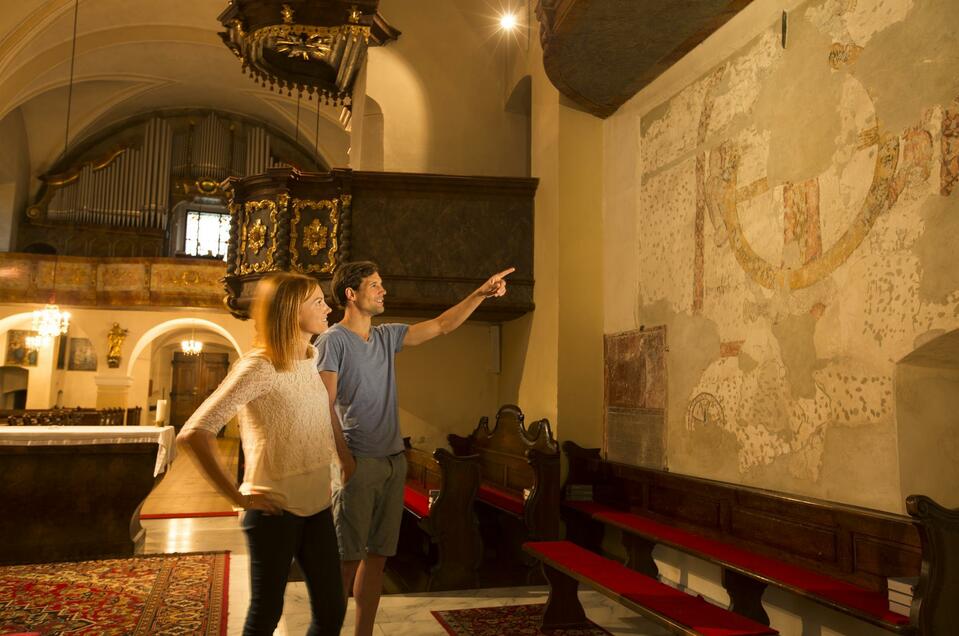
(74,492)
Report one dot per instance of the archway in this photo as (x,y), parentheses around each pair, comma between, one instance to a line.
(927,403)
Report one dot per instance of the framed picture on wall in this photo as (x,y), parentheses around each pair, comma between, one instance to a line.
(18,354)
(82,356)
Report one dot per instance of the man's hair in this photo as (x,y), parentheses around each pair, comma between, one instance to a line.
(276,312)
(349,276)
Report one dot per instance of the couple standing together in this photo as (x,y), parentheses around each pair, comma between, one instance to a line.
(300,405)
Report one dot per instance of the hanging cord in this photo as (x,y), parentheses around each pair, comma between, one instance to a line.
(73,60)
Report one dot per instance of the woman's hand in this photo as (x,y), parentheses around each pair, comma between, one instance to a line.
(260,501)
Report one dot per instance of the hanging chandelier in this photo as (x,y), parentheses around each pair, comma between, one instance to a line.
(50,322)
(310,46)
(191,347)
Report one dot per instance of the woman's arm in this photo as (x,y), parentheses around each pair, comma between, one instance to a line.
(250,378)
(203,445)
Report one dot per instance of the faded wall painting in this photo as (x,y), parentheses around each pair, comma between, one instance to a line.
(18,353)
(794,216)
(82,355)
(635,397)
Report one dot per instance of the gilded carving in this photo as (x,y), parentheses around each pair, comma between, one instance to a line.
(115,337)
(255,236)
(319,234)
(314,237)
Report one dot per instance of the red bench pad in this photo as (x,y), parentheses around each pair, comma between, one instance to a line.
(500,498)
(825,587)
(690,611)
(417,502)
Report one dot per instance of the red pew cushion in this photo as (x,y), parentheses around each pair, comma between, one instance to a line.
(690,611)
(820,585)
(501,498)
(417,502)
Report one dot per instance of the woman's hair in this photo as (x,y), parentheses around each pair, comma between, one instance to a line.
(276,312)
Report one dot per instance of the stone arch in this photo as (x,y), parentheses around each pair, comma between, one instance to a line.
(172,325)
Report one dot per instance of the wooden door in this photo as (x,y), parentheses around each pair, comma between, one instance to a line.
(194,379)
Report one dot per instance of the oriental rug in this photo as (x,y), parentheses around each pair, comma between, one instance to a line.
(155,594)
(515,620)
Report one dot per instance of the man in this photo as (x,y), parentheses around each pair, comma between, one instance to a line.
(356,365)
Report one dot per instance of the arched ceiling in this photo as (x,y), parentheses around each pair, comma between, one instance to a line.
(133,58)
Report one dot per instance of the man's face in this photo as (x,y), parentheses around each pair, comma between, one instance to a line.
(368,298)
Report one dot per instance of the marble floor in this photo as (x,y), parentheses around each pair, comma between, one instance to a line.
(399,615)
(184,489)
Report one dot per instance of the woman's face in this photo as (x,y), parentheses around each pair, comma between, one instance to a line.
(313,313)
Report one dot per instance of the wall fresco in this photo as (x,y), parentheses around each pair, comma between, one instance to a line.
(783,207)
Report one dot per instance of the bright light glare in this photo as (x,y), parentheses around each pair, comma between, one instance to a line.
(507,21)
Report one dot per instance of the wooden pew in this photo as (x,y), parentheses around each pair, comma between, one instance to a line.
(518,497)
(442,535)
(836,555)
(566,565)
(71,417)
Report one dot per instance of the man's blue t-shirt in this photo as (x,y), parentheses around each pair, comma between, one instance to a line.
(365,386)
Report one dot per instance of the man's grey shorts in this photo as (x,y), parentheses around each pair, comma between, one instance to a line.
(369,509)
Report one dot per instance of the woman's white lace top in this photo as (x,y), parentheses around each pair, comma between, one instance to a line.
(284,427)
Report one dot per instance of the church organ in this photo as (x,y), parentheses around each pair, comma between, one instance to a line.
(117,194)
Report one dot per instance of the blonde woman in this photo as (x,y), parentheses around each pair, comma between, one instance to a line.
(289,445)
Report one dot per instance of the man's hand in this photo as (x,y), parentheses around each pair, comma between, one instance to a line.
(348,466)
(496,285)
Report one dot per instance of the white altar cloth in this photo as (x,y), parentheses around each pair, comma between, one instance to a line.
(84,435)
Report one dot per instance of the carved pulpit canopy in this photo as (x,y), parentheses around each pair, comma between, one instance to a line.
(310,46)
(599,53)
(436,238)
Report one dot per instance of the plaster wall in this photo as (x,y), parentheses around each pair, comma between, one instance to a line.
(580,357)
(445,385)
(442,87)
(14,175)
(786,213)
(530,344)
(927,404)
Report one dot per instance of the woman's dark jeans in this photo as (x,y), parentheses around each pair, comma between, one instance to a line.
(274,541)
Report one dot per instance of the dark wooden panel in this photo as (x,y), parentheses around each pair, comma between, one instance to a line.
(885,558)
(816,543)
(685,506)
(856,544)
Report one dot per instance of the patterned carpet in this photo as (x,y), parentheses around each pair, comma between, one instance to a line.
(157,594)
(515,620)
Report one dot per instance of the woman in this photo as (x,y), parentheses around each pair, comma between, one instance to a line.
(289,444)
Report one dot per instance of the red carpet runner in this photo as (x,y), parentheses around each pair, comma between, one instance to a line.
(156,594)
(514,620)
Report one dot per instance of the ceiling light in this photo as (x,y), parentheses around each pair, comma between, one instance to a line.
(508,22)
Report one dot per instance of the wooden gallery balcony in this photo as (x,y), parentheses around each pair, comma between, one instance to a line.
(112,282)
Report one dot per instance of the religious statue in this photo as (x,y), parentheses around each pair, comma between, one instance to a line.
(115,336)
